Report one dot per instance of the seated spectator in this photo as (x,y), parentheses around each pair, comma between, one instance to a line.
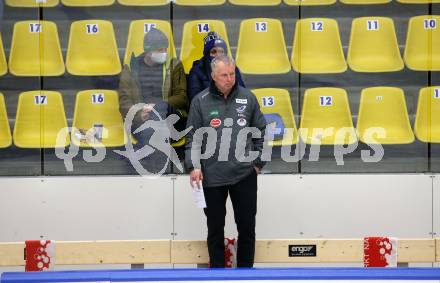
(158,81)
(200,73)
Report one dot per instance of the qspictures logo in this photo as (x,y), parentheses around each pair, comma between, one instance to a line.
(157,134)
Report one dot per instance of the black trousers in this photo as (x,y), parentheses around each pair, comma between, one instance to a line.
(244,201)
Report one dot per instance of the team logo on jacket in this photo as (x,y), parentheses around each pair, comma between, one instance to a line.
(215,122)
(213,113)
(241,109)
(241,122)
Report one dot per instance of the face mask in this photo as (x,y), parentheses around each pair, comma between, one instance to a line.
(158,57)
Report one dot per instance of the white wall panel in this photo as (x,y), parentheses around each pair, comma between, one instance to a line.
(346,206)
(289,206)
(85,208)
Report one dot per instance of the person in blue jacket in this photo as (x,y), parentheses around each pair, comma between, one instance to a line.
(200,74)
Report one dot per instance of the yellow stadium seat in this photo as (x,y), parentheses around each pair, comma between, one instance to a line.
(427,124)
(317,48)
(373,46)
(97,112)
(261,47)
(3,65)
(137,31)
(192,41)
(418,1)
(36,50)
(422,51)
(40,117)
(5,131)
(32,3)
(326,117)
(199,2)
(309,2)
(384,108)
(87,3)
(143,2)
(255,2)
(92,49)
(275,101)
(365,2)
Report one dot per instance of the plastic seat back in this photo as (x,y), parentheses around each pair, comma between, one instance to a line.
(383,110)
(427,124)
(276,106)
(373,46)
(5,131)
(32,3)
(87,3)
(418,1)
(261,47)
(3,64)
(199,2)
(317,47)
(309,2)
(326,117)
(36,50)
(97,112)
(255,2)
(92,49)
(422,50)
(40,118)
(365,2)
(143,2)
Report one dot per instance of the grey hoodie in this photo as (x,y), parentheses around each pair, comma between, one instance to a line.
(228,116)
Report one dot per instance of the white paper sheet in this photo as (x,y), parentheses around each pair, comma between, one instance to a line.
(198,195)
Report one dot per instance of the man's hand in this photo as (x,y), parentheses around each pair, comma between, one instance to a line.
(195,177)
(258,170)
(146,111)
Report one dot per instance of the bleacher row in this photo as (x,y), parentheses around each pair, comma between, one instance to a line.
(325,119)
(92,49)
(95,3)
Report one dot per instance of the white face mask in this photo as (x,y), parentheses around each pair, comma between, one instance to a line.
(159,57)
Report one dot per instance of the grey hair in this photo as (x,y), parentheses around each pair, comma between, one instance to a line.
(222,58)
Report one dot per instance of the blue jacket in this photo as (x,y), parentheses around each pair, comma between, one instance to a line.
(200,77)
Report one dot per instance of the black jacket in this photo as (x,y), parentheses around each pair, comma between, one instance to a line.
(200,77)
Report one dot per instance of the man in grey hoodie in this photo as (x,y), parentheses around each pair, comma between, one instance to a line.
(230,115)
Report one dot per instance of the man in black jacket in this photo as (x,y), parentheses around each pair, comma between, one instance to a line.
(231,116)
(200,74)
